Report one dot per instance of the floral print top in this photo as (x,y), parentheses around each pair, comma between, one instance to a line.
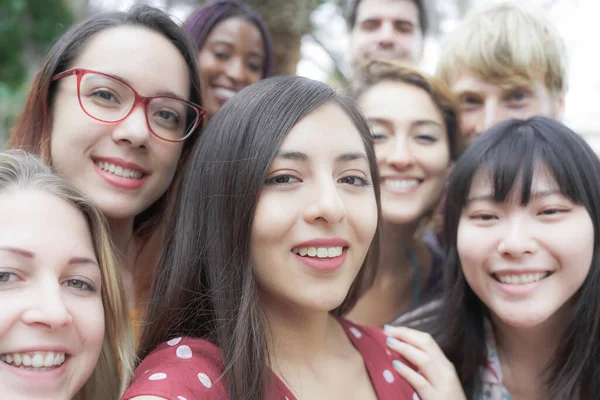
(492,385)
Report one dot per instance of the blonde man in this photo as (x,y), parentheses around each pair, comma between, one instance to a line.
(504,61)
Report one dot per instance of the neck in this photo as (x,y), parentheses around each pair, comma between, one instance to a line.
(395,240)
(526,353)
(121,232)
(298,336)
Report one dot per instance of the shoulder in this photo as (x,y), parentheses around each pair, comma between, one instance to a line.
(371,343)
(181,368)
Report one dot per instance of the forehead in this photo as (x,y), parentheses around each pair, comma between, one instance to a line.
(237,30)
(387,9)
(44,224)
(327,130)
(542,180)
(383,99)
(146,59)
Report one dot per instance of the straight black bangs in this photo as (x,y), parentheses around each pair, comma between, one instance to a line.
(513,152)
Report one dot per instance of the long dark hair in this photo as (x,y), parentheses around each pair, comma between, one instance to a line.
(202,21)
(33,128)
(205,286)
(510,153)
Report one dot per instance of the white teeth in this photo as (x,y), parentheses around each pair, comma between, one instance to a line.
(319,252)
(118,170)
(402,184)
(224,92)
(37,361)
(26,360)
(522,278)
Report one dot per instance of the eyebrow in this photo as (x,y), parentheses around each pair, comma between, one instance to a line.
(302,157)
(29,254)
(416,123)
(159,93)
(534,195)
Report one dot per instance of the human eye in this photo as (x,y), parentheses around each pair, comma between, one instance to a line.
(104,96)
(370,24)
(355,181)
(254,66)
(469,101)
(404,27)
(552,211)
(426,137)
(283,179)
(516,97)
(221,54)
(483,217)
(168,117)
(6,277)
(79,284)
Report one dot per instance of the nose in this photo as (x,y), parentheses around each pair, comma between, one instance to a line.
(400,155)
(325,203)
(386,34)
(47,308)
(492,114)
(134,129)
(236,70)
(517,240)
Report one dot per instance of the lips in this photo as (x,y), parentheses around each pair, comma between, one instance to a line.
(401,184)
(223,94)
(323,255)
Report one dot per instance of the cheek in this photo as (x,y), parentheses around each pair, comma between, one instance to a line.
(169,155)
(208,64)
(363,216)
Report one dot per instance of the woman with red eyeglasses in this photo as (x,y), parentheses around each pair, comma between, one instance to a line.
(115,109)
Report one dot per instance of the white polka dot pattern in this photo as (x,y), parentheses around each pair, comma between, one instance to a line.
(174,342)
(157,377)
(389,353)
(184,352)
(205,380)
(356,332)
(388,376)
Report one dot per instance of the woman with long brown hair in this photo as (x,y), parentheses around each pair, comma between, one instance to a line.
(114,109)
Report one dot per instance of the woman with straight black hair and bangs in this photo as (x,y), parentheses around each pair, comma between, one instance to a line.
(270,245)
(522,315)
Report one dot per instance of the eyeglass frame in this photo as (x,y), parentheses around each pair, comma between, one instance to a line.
(138,99)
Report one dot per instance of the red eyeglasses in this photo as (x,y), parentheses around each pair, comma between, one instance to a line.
(106,98)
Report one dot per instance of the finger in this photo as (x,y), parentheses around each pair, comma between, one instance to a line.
(421,340)
(418,382)
(422,361)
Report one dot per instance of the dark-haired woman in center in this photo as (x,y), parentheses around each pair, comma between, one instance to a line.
(270,245)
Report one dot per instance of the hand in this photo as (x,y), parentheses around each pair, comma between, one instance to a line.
(436,377)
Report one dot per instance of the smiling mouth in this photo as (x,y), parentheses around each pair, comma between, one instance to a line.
(319,252)
(38,361)
(521,279)
(119,171)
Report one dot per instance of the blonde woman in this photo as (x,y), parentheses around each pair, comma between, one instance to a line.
(413,121)
(64,322)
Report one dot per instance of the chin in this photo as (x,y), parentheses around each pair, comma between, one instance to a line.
(526,320)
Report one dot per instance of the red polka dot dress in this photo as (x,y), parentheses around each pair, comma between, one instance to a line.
(190,369)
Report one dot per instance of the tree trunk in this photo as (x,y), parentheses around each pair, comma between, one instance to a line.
(288,21)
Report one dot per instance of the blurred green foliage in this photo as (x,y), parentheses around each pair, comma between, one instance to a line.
(27,30)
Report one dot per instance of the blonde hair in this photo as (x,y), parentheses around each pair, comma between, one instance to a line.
(506,44)
(22,171)
(379,71)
